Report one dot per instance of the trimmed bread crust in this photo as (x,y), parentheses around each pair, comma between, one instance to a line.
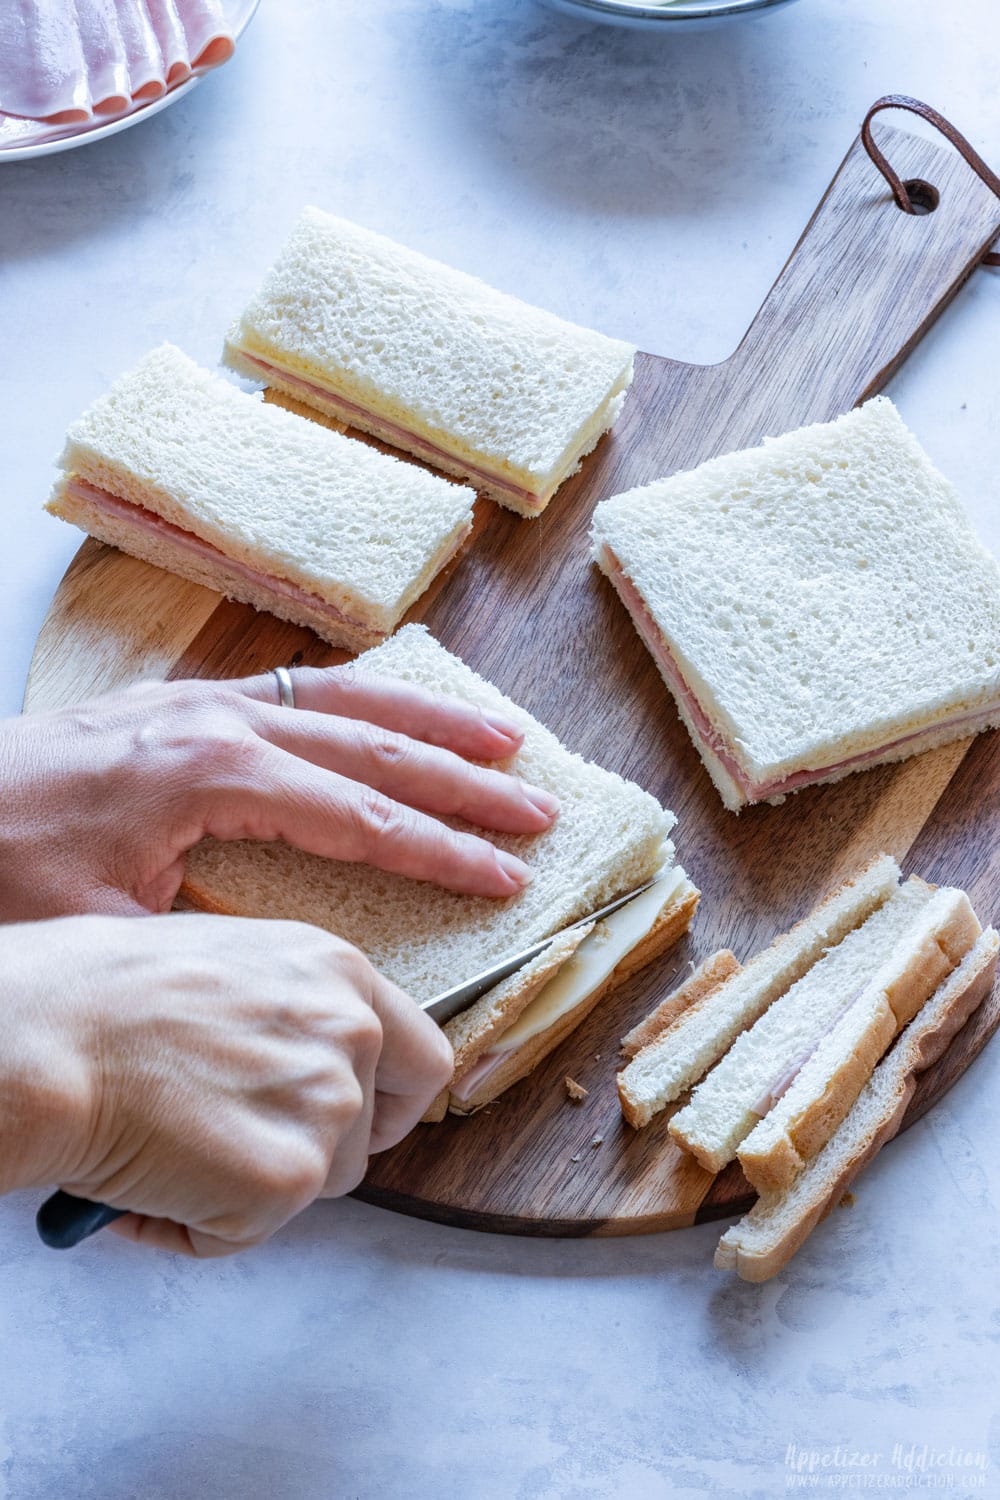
(709,974)
(636,1108)
(474,1031)
(799,1124)
(761,1243)
(735,1097)
(671,925)
(705,1029)
(774,1161)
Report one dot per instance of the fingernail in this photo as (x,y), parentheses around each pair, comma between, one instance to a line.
(515,869)
(501,725)
(544,801)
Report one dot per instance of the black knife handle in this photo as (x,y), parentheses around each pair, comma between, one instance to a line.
(64,1221)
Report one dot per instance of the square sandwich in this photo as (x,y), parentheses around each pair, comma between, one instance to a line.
(816,605)
(610,837)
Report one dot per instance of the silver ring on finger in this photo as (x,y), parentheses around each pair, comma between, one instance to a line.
(286,692)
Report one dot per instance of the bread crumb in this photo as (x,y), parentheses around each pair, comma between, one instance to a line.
(574,1091)
(597,1141)
(598,1056)
(574,1158)
(847,1201)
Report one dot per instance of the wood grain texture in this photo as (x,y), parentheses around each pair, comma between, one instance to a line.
(524,607)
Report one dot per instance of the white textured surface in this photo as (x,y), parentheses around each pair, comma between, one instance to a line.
(651,190)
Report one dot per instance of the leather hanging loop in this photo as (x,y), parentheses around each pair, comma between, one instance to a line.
(964,148)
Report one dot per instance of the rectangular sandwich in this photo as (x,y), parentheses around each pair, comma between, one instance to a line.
(761,1243)
(785,1045)
(431,360)
(609,838)
(816,606)
(181,469)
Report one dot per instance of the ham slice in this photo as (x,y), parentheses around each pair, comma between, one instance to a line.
(67,61)
(391,432)
(149,521)
(705,733)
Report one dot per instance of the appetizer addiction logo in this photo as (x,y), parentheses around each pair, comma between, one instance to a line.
(903,1466)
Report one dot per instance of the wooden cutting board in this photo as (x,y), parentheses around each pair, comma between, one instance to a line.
(524,606)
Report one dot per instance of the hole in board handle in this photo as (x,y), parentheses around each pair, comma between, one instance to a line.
(923,195)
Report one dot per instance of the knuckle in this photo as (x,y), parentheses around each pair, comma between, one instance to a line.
(388,750)
(230,745)
(354,1029)
(367,1034)
(295,1176)
(189,696)
(346,961)
(379,816)
(349,1105)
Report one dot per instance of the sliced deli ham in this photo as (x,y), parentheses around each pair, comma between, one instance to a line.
(67,63)
(209,38)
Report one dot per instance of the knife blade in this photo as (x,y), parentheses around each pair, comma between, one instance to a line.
(451,1003)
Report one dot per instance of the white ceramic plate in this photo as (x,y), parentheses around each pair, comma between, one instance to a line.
(687,13)
(20,139)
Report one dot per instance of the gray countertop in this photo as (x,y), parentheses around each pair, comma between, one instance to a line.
(651,188)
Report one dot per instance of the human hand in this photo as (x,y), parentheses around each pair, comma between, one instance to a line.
(213,1075)
(102,801)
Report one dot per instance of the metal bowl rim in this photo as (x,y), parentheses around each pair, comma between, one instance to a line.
(695,10)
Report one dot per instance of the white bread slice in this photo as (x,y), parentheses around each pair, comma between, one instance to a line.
(670,1064)
(819,598)
(761,1063)
(805,1116)
(431,360)
(616,948)
(282,496)
(767,1237)
(710,973)
(609,838)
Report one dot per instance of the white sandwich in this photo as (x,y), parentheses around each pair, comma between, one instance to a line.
(609,838)
(761,1243)
(816,606)
(431,360)
(181,469)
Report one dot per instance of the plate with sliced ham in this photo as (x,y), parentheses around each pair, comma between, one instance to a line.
(71,73)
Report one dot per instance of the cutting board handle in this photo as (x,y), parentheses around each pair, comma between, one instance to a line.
(866,279)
